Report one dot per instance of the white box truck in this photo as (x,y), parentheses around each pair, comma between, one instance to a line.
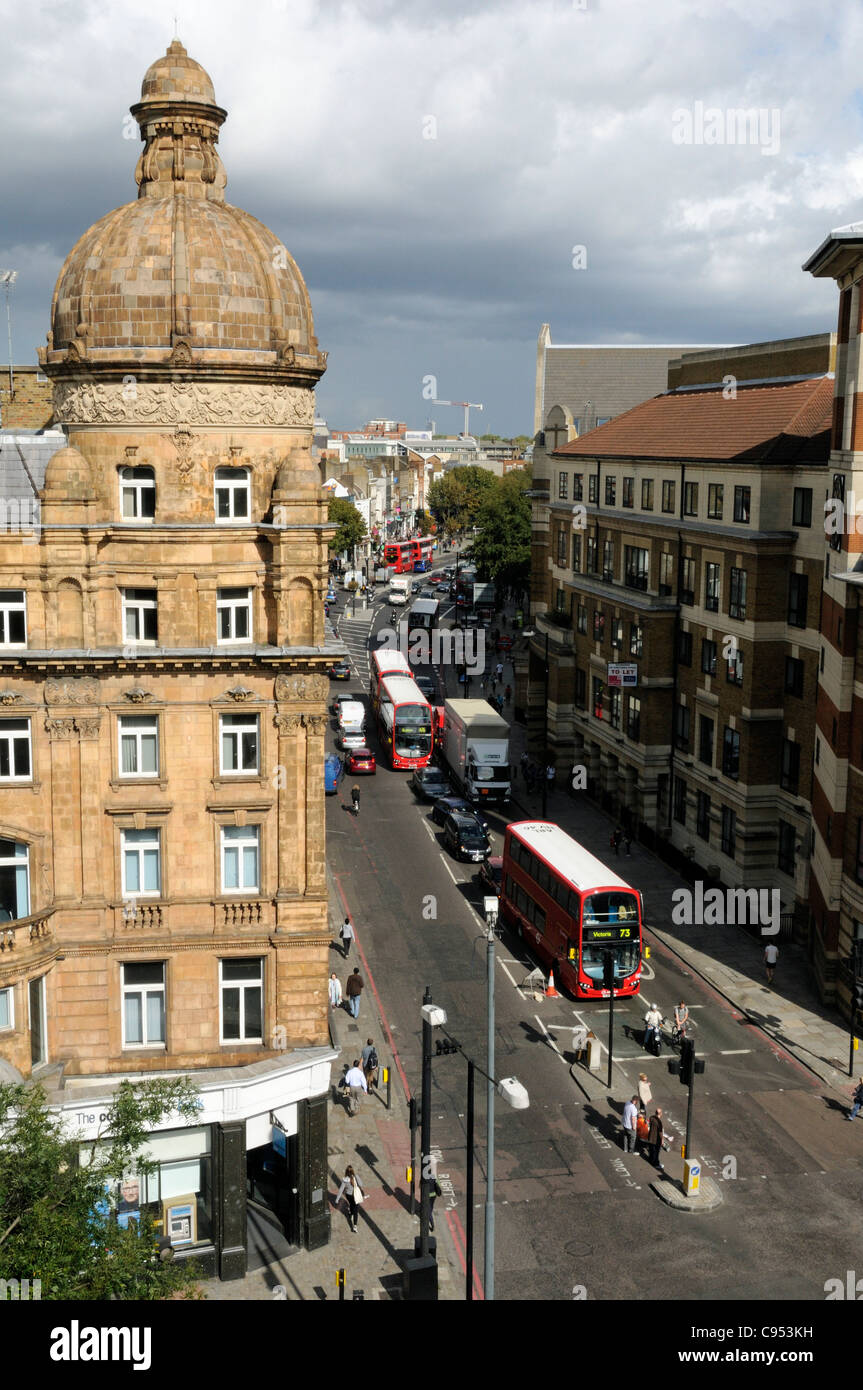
(400,590)
(476,750)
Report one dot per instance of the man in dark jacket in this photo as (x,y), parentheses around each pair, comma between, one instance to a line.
(654,1139)
(353,990)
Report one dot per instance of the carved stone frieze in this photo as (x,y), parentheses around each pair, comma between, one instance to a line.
(9,697)
(240,693)
(138,694)
(287,723)
(80,690)
(182,403)
(60,730)
(302,687)
(88,728)
(315,723)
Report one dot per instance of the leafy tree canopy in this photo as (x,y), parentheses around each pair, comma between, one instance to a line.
(455,499)
(501,547)
(56,1223)
(351,526)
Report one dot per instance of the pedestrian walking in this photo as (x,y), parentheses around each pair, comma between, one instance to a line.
(616,839)
(498,671)
(347,936)
(771,956)
(549,776)
(645,1095)
(655,1139)
(523,764)
(434,1193)
(370,1064)
(495,634)
(357,1086)
(352,1190)
(627,844)
(353,989)
(630,1121)
(857,1098)
(335,989)
(494,684)
(507,694)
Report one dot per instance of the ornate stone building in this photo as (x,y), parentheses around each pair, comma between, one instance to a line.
(163,692)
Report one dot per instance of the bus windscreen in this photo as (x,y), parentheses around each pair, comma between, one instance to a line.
(413,733)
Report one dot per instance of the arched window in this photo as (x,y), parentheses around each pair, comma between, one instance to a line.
(232,495)
(137,494)
(14,880)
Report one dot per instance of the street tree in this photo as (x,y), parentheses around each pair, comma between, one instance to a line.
(501,548)
(58,1222)
(351,526)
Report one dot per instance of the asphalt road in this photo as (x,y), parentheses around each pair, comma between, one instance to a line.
(571,1208)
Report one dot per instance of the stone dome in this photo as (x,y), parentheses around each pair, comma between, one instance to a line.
(179,276)
(68,476)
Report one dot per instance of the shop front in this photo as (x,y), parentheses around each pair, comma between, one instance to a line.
(247,1178)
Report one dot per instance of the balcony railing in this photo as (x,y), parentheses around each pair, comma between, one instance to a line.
(26,931)
(242,914)
(142,916)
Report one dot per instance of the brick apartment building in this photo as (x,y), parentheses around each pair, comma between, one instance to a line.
(28,403)
(163,901)
(697,559)
(837,793)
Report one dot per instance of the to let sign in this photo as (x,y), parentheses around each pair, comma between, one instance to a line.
(622,673)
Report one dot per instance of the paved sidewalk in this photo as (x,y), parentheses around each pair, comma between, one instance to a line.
(377,1142)
(728,958)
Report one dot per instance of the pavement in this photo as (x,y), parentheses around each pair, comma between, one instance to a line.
(727,958)
(377,1142)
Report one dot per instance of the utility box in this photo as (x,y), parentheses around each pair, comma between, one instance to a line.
(594,1054)
(691,1177)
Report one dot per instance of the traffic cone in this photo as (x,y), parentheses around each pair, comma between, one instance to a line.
(550,991)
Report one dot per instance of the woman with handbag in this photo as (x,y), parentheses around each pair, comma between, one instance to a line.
(352,1189)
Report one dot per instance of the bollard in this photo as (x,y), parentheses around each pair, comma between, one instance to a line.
(388,1082)
(340,1284)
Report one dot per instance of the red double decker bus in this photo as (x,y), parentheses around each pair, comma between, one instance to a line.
(399,555)
(404,723)
(571,909)
(386,661)
(423,553)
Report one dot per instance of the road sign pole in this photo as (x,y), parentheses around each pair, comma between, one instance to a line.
(687,1149)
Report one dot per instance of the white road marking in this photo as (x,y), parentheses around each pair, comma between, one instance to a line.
(550,1039)
(502,965)
(449,870)
(736,1052)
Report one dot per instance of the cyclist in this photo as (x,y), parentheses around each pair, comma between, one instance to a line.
(355,799)
(681,1018)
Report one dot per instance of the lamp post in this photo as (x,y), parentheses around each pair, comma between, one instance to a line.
(8,278)
(490,910)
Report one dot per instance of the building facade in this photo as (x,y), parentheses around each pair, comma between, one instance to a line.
(163,687)
(676,581)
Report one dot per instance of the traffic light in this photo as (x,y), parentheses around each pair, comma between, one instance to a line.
(444,1046)
(608,969)
(687,1060)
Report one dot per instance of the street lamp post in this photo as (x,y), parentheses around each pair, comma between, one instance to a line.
(490,908)
(529,633)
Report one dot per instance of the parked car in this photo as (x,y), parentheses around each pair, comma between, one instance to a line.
(505,642)
(465,838)
(360,760)
(428,783)
(427,686)
(448,805)
(339,671)
(332,773)
(490,875)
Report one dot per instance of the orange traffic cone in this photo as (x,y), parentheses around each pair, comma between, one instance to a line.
(550,991)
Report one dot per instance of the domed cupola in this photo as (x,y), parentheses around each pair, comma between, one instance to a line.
(179,278)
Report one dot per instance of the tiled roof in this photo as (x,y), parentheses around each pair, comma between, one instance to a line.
(770,424)
(23,460)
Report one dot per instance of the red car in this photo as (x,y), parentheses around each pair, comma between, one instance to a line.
(436,579)
(360,760)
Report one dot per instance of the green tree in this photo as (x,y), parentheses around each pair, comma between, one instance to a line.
(424,523)
(351,526)
(56,1224)
(456,498)
(501,548)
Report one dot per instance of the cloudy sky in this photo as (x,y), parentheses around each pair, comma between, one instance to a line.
(432,165)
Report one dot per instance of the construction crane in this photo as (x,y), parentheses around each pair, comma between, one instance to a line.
(467,407)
